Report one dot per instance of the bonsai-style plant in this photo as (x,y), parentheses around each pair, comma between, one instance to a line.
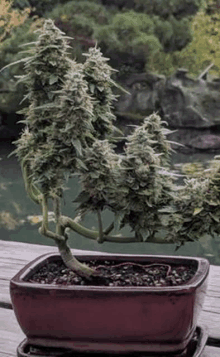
(69,131)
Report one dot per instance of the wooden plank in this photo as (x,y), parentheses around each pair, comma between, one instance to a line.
(10,333)
(212,321)
(211,352)
(22,253)
(212,304)
(4,293)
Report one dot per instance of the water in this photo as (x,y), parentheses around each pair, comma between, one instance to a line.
(18,216)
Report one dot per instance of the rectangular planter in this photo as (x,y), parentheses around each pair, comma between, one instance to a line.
(110,319)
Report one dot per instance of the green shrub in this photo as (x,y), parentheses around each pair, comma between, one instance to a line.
(130,33)
(204,47)
(79,20)
(39,8)
(165,8)
(132,22)
(199,53)
(149,45)
(10,51)
(72,9)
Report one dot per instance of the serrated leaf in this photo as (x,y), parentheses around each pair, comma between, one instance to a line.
(83,197)
(165,219)
(117,221)
(77,144)
(197,210)
(167,209)
(81,164)
(212,203)
(92,88)
(216,218)
(44,106)
(94,175)
(145,233)
(53,79)
(101,89)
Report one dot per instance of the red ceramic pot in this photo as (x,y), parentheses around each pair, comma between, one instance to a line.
(110,319)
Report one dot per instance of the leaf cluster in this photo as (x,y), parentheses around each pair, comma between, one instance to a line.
(143,35)
(38,8)
(147,182)
(98,74)
(69,105)
(100,178)
(178,8)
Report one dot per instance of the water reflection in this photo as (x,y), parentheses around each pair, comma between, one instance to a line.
(20,217)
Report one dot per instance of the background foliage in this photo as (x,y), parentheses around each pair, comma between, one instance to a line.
(137,35)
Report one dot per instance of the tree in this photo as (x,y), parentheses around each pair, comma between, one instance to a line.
(62,137)
(199,53)
(10,18)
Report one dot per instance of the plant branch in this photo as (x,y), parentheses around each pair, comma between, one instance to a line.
(32,190)
(109,229)
(72,263)
(68,222)
(44,206)
(44,229)
(68,258)
(100,238)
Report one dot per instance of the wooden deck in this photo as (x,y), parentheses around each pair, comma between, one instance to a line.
(15,255)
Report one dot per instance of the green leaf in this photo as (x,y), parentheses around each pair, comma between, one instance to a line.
(44,106)
(165,219)
(167,209)
(77,144)
(117,221)
(92,88)
(53,79)
(145,233)
(212,203)
(216,218)
(81,164)
(83,197)
(197,210)
(101,89)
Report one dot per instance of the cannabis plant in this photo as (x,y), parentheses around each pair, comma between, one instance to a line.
(69,130)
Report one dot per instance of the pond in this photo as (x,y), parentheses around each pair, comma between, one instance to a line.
(20,217)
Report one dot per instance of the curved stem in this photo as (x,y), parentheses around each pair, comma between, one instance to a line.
(68,258)
(72,263)
(44,206)
(49,234)
(68,222)
(109,229)
(100,238)
(32,190)
(88,233)
(44,229)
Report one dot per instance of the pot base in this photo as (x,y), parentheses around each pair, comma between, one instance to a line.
(193,349)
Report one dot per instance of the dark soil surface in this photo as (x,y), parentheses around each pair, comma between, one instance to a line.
(114,274)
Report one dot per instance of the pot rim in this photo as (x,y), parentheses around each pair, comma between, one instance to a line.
(186,288)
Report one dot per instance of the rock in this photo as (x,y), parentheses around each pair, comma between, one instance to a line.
(206,141)
(143,94)
(188,102)
(182,101)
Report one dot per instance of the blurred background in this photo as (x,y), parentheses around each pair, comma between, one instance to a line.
(167,54)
